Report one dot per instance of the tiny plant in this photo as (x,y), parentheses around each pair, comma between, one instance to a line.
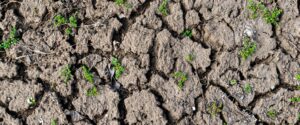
(298,87)
(187,33)
(271,113)
(66,73)
(181,78)
(31,101)
(247,88)
(248,49)
(190,57)
(214,108)
(297,77)
(12,40)
(233,82)
(294,99)
(117,67)
(259,9)
(71,23)
(54,122)
(163,9)
(92,91)
(120,2)
(87,74)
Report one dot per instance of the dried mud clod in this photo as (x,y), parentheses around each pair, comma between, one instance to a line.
(119,62)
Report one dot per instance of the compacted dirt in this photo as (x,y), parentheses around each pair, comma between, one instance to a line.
(151,48)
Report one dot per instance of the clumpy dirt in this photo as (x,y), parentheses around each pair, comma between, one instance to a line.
(151,48)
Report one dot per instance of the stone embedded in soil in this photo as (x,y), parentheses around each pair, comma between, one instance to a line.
(287,112)
(178,102)
(219,35)
(232,114)
(33,11)
(138,39)
(16,93)
(49,109)
(175,18)
(8,70)
(163,49)
(6,119)
(142,108)
(134,73)
(187,47)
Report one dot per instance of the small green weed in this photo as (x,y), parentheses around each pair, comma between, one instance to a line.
(117,67)
(120,2)
(233,82)
(190,57)
(31,101)
(248,88)
(92,91)
(66,73)
(12,40)
(59,20)
(294,99)
(163,8)
(70,23)
(259,9)
(298,87)
(248,49)
(54,122)
(214,108)
(87,74)
(272,113)
(181,78)
(297,77)
(187,33)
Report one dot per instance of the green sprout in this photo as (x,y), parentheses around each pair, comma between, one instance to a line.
(187,33)
(181,78)
(214,108)
(298,87)
(294,99)
(31,101)
(297,77)
(233,82)
(120,2)
(272,113)
(54,122)
(12,40)
(248,49)
(190,57)
(87,74)
(66,73)
(247,88)
(92,91)
(163,9)
(59,20)
(117,67)
(259,9)
(68,31)
(73,21)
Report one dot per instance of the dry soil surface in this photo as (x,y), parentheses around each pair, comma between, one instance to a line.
(151,48)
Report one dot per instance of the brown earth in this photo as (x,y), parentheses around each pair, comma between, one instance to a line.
(150,47)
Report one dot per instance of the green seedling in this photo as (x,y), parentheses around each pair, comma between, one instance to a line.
(31,101)
(12,40)
(120,2)
(68,31)
(298,87)
(66,73)
(181,78)
(297,77)
(259,9)
(54,122)
(87,74)
(92,91)
(233,82)
(190,57)
(294,99)
(247,88)
(272,113)
(59,20)
(163,8)
(117,67)
(73,21)
(214,108)
(248,49)
(187,33)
